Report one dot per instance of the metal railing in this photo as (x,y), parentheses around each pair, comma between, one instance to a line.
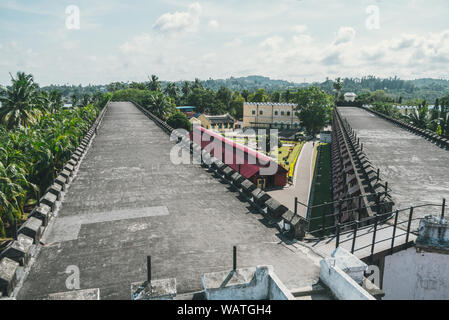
(377,226)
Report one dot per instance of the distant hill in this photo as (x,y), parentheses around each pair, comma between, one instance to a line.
(426,88)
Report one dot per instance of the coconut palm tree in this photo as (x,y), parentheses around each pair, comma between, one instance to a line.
(420,117)
(154,84)
(160,106)
(20,103)
(338,86)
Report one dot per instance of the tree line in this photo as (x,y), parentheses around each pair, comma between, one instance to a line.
(37,137)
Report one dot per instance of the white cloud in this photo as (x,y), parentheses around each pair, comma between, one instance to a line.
(345,35)
(272,43)
(213,24)
(299,28)
(179,21)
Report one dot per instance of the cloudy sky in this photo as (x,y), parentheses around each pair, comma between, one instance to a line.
(293,40)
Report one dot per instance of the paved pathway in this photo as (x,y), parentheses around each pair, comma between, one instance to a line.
(301,182)
(128,201)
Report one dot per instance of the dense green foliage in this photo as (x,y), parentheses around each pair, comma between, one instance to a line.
(315,109)
(37,136)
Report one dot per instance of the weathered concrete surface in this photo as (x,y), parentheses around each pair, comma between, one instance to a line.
(128,169)
(417,170)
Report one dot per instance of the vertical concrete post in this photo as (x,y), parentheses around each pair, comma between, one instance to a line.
(149,270)
(234,258)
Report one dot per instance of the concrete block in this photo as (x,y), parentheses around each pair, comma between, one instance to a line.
(275,208)
(248,187)
(87,294)
(66,174)
(260,196)
(49,199)
(350,264)
(228,172)
(18,250)
(8,276)
(164,289)
(61,180)
(55,189)
(69,168)
(32,229)
(42,212)
(75,157)
(295,225)
(237,179)
(78,153)
(72,162)
(221,167)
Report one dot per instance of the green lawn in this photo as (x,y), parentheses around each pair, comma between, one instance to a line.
(322,190)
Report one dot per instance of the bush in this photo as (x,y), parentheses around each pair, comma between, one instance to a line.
(179,120)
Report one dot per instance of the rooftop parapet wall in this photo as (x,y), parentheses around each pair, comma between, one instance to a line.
(354,177)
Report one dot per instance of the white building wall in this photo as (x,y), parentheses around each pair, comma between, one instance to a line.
(413,275)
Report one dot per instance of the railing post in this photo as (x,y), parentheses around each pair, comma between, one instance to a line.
(394,230)
(338,236)
(442,209)
(324,221)
(340,203)
(378,174)
(360,206)
(234,258)
(374,235)
(409,225)
(354,237)
(386,188)
(361,147)
(296,206)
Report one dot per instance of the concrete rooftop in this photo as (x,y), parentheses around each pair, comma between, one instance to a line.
(417,170)
(128,201)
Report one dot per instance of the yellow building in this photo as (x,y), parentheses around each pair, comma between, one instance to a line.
(220,123)
(265,115)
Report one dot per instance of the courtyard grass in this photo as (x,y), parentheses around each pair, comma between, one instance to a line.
(322,190)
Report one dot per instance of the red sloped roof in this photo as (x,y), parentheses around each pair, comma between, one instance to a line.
(247,169)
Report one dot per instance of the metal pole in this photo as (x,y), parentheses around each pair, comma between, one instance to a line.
(442,209)
(408,225)
(324,221)
(386,188)
(374,235)
(394,230)
(296,206)
(361,147)
(378,173)
(338,236)
(149,269)
(355,235)
(234,259)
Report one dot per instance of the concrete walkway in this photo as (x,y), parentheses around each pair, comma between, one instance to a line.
(129,201)
(301,182)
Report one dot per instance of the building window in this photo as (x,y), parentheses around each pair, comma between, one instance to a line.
(276,112)
(282,113)
(261,112)
(253,112)
(288,113)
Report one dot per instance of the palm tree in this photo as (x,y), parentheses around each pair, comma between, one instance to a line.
(20,102)
(338,86)
(420,117)
(172,90)
(154,84)
(185,89)
(74,100)
(160,106)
